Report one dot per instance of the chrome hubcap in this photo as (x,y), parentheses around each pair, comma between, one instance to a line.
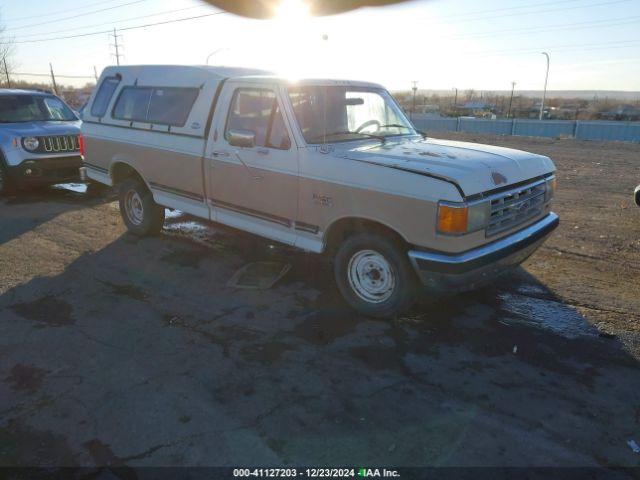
(133,207)
(371,276)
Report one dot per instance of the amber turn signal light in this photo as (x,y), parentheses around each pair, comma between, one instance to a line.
(452,220)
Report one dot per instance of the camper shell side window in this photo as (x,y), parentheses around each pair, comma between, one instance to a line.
(156,105)
(103,96)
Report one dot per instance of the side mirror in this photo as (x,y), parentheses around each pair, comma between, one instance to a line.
(242,138)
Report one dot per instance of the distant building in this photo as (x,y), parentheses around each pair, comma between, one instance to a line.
(622,112)
(477,109)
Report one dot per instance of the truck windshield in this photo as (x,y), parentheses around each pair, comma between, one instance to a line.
(33,108)
(343,113)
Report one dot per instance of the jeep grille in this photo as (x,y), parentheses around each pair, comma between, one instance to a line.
(59,144)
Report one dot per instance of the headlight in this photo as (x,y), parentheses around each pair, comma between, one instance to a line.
(461,218)
(552,184)
(30,143)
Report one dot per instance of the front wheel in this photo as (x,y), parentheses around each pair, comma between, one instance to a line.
(374,275)
(5,184)
(140,213)
(636,195)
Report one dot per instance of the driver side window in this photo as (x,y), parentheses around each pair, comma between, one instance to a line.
(257,110)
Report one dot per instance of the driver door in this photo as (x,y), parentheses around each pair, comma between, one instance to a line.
(253,187)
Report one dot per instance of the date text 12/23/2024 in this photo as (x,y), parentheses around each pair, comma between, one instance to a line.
(316,473)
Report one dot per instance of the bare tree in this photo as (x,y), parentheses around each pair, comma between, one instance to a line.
(7,50)
(470,93)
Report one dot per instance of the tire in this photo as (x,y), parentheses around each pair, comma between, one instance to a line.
(374,275)
(140,213)
(6,188)
(636,195)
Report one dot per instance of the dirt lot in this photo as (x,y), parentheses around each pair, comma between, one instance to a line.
(120,351)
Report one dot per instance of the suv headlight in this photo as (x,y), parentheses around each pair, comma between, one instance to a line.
(30,143)
(461,218)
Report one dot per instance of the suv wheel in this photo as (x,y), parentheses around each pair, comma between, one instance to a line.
(5,185)
(636,195)
(140,213)
(374,275)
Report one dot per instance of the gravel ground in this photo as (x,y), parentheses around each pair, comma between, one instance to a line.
(123,351)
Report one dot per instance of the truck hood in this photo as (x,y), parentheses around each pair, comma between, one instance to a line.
(40,129)
(475,168)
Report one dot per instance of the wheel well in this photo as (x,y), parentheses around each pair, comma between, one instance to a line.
(121,172)
(343,228)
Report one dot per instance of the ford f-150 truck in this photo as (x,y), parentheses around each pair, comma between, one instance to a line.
(40,141)
(327,166)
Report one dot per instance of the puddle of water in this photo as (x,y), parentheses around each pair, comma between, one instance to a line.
(74,187)
(131,291)
(25,378)
(531,289)
(171,214)
(546,314)
(48,311)
(21,446)
(265,354)
(259,275)
(184,258)
(324,326)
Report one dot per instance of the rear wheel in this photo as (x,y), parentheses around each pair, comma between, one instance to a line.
(140,213)
(636,195)
(374,275)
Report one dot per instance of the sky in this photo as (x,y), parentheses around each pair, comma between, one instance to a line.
(441,44)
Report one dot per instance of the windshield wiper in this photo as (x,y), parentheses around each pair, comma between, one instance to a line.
(368,135)
(397,125)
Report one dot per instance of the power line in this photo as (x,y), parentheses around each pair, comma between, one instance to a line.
(569,47)
(491,17)
(112,22)
(110,31)
(562,26)
(76,16)
(23,74)
(520,7)
(58,12)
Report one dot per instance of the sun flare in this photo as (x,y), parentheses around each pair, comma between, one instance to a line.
(292,11)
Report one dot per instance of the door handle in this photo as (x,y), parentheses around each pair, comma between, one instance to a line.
(219,153)
(263,151)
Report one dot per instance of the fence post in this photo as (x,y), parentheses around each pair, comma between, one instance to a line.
(513,127)
(575,129)
(458,125)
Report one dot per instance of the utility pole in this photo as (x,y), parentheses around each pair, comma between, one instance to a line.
(544,93)
(455,101)
(415,89)
(6,71)
(513,86)
(116,45)
(53,79)
(95,73)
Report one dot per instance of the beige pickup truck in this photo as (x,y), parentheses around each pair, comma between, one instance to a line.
(327,166)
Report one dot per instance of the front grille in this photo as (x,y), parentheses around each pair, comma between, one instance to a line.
(59,144)
(514,207)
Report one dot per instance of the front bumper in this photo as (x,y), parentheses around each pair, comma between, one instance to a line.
(46,171)
(479,266)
